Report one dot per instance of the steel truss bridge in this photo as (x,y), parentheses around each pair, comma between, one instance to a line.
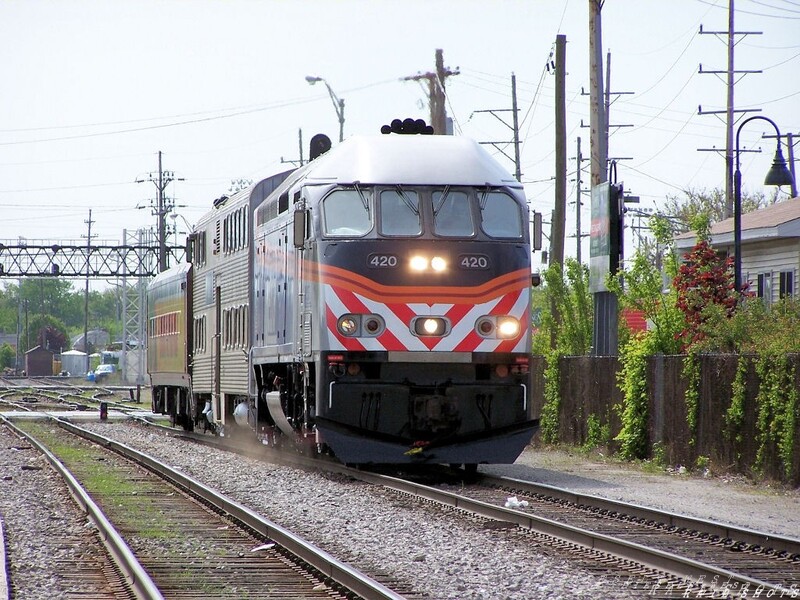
(138,260)
(103,262)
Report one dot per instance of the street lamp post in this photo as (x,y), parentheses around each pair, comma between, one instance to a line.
(778,175)
(338,103)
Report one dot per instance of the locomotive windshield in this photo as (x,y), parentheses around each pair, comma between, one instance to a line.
(500,215)
(347,213)
(452,216)
(399,212)
(440,212)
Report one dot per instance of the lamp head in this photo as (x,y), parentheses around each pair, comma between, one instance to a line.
(779,173)
(312,80)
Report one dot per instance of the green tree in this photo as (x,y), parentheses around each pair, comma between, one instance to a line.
(568,291)
(644,285)
(8,356)
(43,330)
(708,202)
(568,336)
(641,286)
(8,310)
(105,311)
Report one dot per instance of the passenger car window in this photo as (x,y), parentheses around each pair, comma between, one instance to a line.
(500,215)
(346,213)
(452,215)
(399,212)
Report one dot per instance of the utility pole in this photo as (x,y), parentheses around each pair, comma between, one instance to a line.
(86,292)
(557,229)
(598,141)
(163,207)
(299,163)
(790,144)
(436,92)
(515,119)
(604,333)
(729,112)
(500,146)
(558,226)
(579,191)
(608,102)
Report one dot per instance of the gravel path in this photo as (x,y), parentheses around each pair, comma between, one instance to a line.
(438,553)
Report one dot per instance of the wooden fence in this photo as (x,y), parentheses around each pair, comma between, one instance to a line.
(589,388)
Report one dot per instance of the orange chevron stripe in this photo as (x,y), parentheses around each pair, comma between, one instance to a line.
(368,288)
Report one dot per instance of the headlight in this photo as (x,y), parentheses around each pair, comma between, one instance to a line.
(430,326)
(422,263)
(503,328)
(348,325)
(507,327)
(355,325)
(418,263)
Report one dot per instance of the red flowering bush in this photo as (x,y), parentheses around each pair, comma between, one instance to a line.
(703,280)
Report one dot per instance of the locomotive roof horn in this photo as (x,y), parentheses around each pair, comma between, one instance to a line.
(408,127)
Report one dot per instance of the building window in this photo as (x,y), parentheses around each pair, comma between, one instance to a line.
(765,287)
(786,284)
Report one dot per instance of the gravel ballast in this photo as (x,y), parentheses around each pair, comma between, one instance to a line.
(44,527)
(766,507)
(436,552)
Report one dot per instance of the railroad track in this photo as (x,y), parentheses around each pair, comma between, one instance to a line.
(626,543)
(762,560)
(661,551)
(185,540)
(735,539)
(66,397)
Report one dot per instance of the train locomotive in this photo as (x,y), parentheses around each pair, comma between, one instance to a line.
(373,303)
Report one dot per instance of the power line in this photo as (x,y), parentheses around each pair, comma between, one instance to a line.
(749,12)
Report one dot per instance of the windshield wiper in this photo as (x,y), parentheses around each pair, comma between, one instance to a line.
(406,199)
(484,196)
(445,194)
(361,195)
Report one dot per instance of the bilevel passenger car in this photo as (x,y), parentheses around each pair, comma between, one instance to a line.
(389,307)
(206,376)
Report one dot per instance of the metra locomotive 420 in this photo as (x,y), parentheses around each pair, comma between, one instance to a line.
(374,303)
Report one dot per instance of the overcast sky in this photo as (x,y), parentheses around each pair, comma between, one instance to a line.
(93,90)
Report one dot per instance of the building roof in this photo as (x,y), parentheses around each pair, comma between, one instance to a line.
(779,220)
(38,350)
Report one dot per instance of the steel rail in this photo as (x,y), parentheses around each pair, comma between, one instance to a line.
(347,576)
(140,582)
(5,584)
(712,528)
(678,566)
